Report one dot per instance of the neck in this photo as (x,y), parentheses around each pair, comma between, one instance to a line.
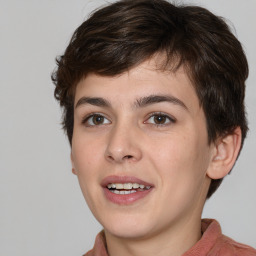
(173,241)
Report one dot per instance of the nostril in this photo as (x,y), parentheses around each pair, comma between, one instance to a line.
(128,157)
(110,157)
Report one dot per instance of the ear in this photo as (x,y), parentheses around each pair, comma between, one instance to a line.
(73,165)
(226,150)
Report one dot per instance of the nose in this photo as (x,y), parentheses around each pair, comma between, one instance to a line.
(123,145)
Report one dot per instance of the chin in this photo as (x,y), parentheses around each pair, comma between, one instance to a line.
(127,227)
(128,233)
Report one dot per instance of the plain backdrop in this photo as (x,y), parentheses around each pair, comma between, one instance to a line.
(42,211)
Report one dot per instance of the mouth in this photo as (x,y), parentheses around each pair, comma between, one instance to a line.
(125,190)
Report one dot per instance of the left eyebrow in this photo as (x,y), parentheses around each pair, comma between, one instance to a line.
(152,99)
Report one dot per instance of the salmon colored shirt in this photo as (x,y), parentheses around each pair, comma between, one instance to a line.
(212,243)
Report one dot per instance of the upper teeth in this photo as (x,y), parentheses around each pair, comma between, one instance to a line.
(127,186)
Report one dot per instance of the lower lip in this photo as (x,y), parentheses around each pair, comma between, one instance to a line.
(125,199)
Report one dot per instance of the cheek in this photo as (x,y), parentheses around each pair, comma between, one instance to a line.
(86,160)
(173,152)
(86,153)
(181,160)
(182,176)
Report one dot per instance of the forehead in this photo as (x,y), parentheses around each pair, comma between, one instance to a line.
(143,80)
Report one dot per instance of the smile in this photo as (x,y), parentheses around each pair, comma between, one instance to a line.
(125,190)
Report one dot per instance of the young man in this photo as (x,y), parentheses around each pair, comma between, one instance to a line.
(153,99)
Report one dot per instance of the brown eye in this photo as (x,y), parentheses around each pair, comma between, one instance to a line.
(159,119)
(96,119)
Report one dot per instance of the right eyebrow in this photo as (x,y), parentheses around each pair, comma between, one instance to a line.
(100,102)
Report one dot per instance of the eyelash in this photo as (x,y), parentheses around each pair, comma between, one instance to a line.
(87,118)
(170,119)
(152,115)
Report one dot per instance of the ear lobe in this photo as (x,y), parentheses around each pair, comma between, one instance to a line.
(225,154)
(73,166)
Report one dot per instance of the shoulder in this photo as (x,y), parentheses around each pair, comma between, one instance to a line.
(89,253)
(214,243)
(228,247)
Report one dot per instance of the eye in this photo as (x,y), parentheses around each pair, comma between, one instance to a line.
(95,119)
(160,119)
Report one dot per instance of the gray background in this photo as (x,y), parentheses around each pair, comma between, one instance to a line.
(42,209)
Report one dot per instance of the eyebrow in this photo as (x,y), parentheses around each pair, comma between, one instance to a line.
(139,103)
(100,102)
(152,99)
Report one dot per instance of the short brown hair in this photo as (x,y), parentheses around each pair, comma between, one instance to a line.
(122,35)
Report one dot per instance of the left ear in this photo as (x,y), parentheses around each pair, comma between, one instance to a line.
(226,150)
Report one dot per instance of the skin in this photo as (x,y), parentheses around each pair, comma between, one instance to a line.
(173,155)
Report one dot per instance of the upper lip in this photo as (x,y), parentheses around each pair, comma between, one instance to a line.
(123,179)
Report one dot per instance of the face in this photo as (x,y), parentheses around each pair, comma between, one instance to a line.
(140,150)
